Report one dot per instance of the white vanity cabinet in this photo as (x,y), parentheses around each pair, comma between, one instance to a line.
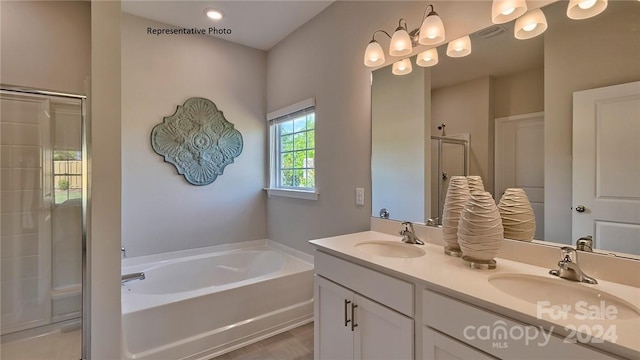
(455,329)
(436,346)
(353,315)
(433,307)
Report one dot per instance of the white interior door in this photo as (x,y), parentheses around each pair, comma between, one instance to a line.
(520,160)
(606,166)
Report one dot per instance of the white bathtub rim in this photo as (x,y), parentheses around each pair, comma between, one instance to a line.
(291,251)
(259,244)
(154,258)
(132,302)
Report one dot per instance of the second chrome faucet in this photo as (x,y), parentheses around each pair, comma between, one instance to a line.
(568,267)
(409,235)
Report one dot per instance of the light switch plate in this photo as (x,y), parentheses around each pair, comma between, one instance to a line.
(359,196)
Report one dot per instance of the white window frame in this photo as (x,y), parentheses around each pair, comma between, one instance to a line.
(274,118)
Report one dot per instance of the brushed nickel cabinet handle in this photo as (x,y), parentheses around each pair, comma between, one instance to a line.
(353,319)
(346,319)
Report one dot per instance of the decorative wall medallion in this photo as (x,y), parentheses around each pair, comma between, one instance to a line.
(197,140)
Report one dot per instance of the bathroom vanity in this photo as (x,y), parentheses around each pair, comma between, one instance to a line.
(376,297)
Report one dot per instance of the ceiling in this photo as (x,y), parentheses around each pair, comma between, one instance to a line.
(259,24)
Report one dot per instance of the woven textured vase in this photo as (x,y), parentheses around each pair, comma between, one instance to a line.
(517,215)
(457,197)
(480,231)
(475,183)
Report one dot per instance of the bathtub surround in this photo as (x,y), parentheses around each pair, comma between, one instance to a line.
(158,73)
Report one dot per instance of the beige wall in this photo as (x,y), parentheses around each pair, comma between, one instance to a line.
(520,93)
(46,44)
(466,108)
(161,211)
(324,58)
(105,181)
(579,56)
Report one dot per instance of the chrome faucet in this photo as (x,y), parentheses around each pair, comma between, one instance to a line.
(409,235)
(569,269)
(585,243)
(133,276)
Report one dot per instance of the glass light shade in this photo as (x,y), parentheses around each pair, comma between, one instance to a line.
(432,30)
(400,43)
(583,9)
(459,47)
(401,67)
(374,55)
(530,25)
(503,11)
(427,58)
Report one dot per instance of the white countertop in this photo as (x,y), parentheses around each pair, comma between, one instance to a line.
(451,276)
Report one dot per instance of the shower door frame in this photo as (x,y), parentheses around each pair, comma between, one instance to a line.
(86,201)
(453,139)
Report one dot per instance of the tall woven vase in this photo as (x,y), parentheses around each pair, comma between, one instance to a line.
(517,215)
(457,197)
(480,231)
(475,183)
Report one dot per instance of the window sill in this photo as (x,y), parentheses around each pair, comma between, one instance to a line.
(296,194)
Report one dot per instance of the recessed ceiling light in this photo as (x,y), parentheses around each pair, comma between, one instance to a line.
(213,14)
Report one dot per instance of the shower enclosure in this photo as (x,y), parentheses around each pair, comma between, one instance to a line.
(42,216)
(449,157)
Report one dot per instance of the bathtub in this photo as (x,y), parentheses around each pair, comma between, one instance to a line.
(200,303)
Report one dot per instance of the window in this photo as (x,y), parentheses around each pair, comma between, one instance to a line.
(292,164)
(67,175)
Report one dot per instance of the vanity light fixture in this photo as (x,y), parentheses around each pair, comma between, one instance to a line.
(584,9)
(432,29)
(400,41)
(427,58)
(374,55)
(503,11)
(431,32)
(530,25)
(402,67)
(213,14)
(459,47)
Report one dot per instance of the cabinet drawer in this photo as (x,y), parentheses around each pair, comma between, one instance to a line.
(389,291)
(498,335)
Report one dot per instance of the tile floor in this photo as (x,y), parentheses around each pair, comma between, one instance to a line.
(56,346)
(295,344)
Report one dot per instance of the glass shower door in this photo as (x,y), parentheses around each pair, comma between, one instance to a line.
(40,222)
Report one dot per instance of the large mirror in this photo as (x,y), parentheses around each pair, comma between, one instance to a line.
(512,102)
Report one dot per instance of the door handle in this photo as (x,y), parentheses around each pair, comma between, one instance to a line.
(346,319)
(353,319)
(580,208)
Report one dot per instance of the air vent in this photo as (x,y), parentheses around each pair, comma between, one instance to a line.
(490,32)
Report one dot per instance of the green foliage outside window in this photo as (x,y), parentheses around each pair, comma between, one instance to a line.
(297,152)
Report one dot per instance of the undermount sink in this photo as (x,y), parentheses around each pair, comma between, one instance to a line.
(390,249)
(556,296)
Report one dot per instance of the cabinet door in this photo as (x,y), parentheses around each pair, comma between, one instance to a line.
(437,346)
(333,336)
(380,332)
